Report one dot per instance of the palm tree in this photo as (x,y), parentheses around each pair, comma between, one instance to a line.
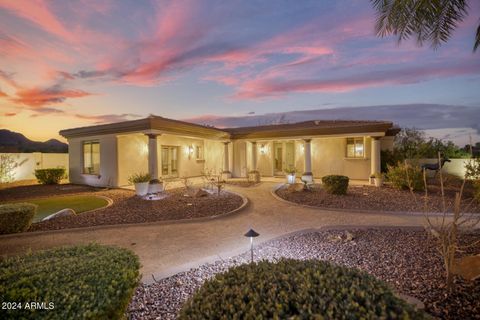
(429,20)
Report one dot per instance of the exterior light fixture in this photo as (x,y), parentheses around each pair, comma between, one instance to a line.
(263,149)
(251,234)
(189,151)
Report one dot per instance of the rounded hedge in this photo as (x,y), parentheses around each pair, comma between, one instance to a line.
(335,184)
(50,176)
(16,217)
(293,289)
(82,282)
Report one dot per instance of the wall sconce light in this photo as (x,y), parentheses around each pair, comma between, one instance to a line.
(189,151)
(302,147)
(263,149)
(144,149)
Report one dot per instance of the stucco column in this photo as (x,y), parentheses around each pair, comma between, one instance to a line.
(226,160)
(375,158)
(254,155)
(152,156)
(308,175)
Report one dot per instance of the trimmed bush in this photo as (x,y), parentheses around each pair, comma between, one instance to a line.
(293,289)
(335,184)
(16,217)
(82,282)
(397,176)
(50,176)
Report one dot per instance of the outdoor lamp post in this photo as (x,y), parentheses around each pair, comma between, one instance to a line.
(251,234)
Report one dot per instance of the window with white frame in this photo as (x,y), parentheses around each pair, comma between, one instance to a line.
(355,147)
(91,157)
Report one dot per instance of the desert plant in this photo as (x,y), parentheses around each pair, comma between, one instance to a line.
(405,176)
(139,178)
(82,282)
(447,230)
(291,170)
(16,217)
(335,184)
(294,289)
(50,176)
(7,167)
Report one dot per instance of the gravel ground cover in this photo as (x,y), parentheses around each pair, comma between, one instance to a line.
(126,207)
(385,198)
(405,258)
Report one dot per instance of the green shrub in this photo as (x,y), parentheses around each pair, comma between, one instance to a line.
(50,176)
(139,178)
(293,289)
(16,217)
(335,184)
(397,176)
(83,282)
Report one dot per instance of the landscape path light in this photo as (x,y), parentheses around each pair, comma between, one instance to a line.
(251,234)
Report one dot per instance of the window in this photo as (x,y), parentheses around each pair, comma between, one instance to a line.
(199,152)
(355,148)
(91,157)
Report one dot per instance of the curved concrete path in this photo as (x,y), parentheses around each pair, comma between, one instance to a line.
(165,249)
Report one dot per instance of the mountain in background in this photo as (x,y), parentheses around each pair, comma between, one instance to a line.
(16,142)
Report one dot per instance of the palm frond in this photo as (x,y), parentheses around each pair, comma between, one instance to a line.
(430,21)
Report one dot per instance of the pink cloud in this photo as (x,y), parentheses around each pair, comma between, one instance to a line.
(3,94)
(36,97)
(37,12)
(262,88)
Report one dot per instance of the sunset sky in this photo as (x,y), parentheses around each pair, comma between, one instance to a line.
(66,64)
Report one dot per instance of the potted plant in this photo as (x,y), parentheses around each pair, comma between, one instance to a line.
(378,179)
(141,182)
(291,175)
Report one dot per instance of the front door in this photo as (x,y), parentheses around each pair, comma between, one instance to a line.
(170,161)
(283,157)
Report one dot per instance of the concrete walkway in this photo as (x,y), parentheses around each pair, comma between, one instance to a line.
(165,249)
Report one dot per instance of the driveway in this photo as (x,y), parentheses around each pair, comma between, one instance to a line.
(166,249)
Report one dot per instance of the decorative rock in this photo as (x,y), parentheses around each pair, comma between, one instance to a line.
(200,193)
(62,213)
(468,267)
(412,300)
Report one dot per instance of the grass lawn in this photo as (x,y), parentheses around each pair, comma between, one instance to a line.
(79,203)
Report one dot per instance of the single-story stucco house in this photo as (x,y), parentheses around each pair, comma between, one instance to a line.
(106,155)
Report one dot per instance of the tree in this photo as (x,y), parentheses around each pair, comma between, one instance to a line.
(430,21)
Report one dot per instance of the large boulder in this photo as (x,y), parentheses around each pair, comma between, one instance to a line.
(62,213)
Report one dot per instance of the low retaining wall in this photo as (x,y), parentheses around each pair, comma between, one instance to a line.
(27,163)
(455,167)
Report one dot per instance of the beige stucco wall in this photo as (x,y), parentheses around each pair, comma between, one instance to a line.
(27,163)
(214,155)
(328,157)
(188,165)
(108,161)
(132,156)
